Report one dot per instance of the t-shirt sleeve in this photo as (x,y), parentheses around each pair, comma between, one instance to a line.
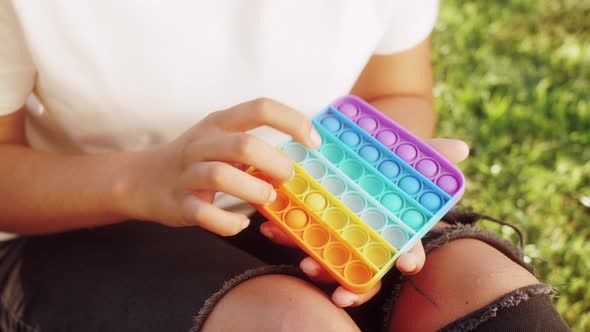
(17,72)
(410,23)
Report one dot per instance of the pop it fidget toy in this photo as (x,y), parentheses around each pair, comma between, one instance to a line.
(368,194)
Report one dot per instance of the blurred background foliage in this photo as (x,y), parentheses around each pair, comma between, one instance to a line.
(513,80)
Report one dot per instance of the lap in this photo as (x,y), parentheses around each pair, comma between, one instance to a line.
(142,276)
(131,276)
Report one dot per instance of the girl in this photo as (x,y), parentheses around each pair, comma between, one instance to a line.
(146,112)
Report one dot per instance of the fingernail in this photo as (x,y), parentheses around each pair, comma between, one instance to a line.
(292,175)
(411,267)
(345,301)
(309,269)
(273,196)
(245,222)
(410,264)
(316,139)
(266,232)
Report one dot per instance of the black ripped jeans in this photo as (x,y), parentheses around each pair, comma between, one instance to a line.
(139,276)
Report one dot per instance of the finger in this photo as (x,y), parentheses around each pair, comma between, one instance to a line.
(222,177)
(412,261)
(276,235)
(246,149)
(453,149)
(214,219)
(315,271)
(268,112)
(345,298)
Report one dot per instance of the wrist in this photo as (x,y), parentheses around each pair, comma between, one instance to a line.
(124,186)
(414,113)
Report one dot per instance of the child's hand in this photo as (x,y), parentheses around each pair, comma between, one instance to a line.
(175,183)
(408,263)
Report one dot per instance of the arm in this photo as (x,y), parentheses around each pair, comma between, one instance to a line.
(171,184)
(43,192)
(400,85)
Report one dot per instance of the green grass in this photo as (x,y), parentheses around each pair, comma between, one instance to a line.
(513,80)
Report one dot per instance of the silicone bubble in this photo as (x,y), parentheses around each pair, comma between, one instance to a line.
(356,236)
(297,186)
(407,152)
(395,236)
(368,124)
(316,236)
(357,273)
(409,184)
(431,201)
(350,138)
(331,123)
(427,166)
(448,183)
(337,255)
(315,201)
(296,152)
(413,218)
(349,110)
(333,153)
(369,153)
(296,219)
(377,254)
(392,202)
(352,169)
(315,169)
(371,185)
(354,202)
(375,219)
(386,137)
(334,185)
(336,219)
(390,169)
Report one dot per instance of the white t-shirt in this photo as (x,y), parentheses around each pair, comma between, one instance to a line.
(116,75)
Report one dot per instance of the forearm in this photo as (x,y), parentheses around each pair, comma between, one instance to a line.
(412,112)
(44,192)
(400,85)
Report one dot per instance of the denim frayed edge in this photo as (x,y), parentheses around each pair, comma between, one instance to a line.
(11,301)
(210,303)
(474,319)
(10,323)
(438,237)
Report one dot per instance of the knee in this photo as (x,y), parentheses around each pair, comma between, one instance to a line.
(277,303)
(460,277)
